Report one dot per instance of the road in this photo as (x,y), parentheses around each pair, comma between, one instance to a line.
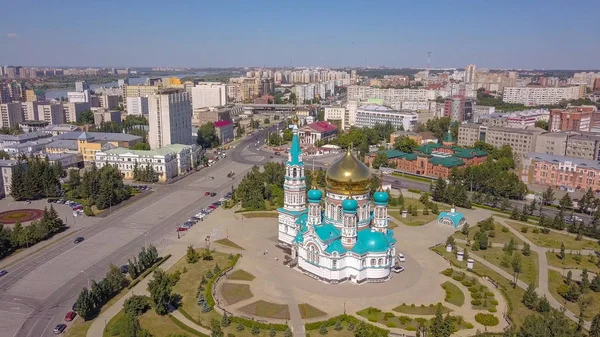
(41,288)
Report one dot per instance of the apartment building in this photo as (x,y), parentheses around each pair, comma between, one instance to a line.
(140,91)
(51,113)
(209,94)
(170,118)
(522,141)
(6,171)
(337,115)
(390,97)
(10,115)
(168,162)
(105,116)
(370,115)
(36,95)
(79,96)
(108,101)
(561,172)
(470,73)
(72,111)
(202,116)
(571,119)
(458,108)
(137,106)
(30,111)
(542,95)
(553,143)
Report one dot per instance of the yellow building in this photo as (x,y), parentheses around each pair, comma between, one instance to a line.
(172,81)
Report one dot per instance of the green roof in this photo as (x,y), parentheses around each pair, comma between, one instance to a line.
(327,232)
(428,148)
(446,162)
(392,154)
(173,148)
(448,138)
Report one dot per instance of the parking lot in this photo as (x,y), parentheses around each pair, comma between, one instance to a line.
(205,212)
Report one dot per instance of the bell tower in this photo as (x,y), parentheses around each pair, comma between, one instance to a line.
(294,185)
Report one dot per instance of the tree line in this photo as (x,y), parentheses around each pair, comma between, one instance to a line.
(24,236)
(256,188)
(145,174)
(36,178)
(100,187)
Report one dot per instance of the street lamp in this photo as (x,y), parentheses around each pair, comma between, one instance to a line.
(88,279)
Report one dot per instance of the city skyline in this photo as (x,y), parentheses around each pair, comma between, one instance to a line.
(276,34)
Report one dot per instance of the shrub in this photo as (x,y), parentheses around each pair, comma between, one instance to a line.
(388,315)
(469,326)
(136,305)
(487,319)
(476,295)
(272,333)
(255,330)
(323,330)
(492,309)
(489,294)
(535,231)
(240,327)
(505,229)
(494,302)
(413,190)
(372,319)
(391,325)
(524,229)
(404,319)
(448,272)
(476,302)
(411,328)
(491,234)
(545,230)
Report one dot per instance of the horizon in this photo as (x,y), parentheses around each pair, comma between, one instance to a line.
(269,34)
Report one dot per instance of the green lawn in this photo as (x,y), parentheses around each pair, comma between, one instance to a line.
(417,220)
(420,309)
(390,320)
(517,311)
(570,263)
(308,311)
(158,326)
(499,235)
(529,264)
(267,309)
(234,292)
(453,294)
(241,275)
(229,243)
(553,239)
(555,279)
(253,214)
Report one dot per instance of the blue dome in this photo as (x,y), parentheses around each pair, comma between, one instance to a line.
(373,241)
(381,197)
(349,205)
(315,195)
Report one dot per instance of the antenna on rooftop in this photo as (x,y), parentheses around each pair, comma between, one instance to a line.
(428,61)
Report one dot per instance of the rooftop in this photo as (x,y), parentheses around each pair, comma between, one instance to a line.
(25,137)
(562,159)
(220,124)
(321,126)
(115,137)
(68,144)
(173,148)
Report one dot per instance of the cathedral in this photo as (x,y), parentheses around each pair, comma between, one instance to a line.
(338,235)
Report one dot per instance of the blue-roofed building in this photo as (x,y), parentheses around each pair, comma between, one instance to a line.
(452,218)
(340,236)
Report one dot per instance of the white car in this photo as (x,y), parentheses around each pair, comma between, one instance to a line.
(401,258)
(397,269)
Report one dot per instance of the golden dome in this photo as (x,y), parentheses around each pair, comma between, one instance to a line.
(348,175)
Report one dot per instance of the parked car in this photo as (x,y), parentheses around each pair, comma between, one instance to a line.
(401,257)
(212,207)
(70,316)
(207,194)
(74,307)
(213,194)
(79,239)
(397,269)
(52,200)
(124,270)
(181,229)
(59,328)
(3,272)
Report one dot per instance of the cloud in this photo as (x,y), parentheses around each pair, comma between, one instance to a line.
(11,35)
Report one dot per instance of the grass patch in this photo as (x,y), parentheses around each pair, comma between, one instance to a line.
(411,177)
(158,326)
(499,235)
(308,311)
(554,239)
(405,322)
(529,264)
(79,328)
(241,275)
(260,214)
(570,262)
(343,329)
(592,299)
(516,310)
(420,309)
(229,243)
(453,294)
(267,309)
(233,292)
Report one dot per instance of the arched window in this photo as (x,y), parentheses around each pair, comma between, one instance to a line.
(364,263)
(380,262)
(294,173)
(339,213)
(372,262)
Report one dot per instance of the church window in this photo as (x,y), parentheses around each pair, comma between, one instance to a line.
(294,173)
(372,262)
(380,262)
(339,213)
(334,264)
(364,263)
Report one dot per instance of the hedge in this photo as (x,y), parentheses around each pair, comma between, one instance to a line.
(265,326)
(344,318)
(414,190)
(133,283)
(185,327)
(209,285)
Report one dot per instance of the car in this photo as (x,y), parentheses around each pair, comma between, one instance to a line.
(213,194)
(79,239)
(70,316)
(218,203)
(181,229)
(74,307)
(401,257)
(222,199)
(59,328)
(3,272)
(195,218)
(397,269)
(277,154)
(124,270)
(207,194)
(50,201)
(77,208)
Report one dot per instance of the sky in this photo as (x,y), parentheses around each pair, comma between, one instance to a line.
(522,34)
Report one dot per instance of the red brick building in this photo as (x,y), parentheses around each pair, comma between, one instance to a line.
(578,118)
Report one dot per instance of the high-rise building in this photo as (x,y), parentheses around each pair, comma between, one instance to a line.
(51,113)
(10,115)
(458,108)
(137,106)
(542,95)
(81,86)
(35,95)
(79,96)
(30,111)
(11,72)
(209,94)
(123,81)
(73,110)
(108,101)
(470,73)
(170,118)
(571,119)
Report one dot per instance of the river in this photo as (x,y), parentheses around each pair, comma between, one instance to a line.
(62,92)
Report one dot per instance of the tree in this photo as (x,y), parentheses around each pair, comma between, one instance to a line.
(85,117)
(465,230)
(552,324)
(381,159)
(530,297)
(215,328)
(207,136)
(526,251)
(548,196)
(585,281)
(565,202)
(136,305)
(160,291)
(595,285)
(439,327)
(516,265)
(563,255)
(141,146)
(595,327)
(543,305)
(226,320)
(130,326)
(85,304)
(405,144)
(192,255)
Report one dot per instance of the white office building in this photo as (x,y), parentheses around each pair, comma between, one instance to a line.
(391,97)
(137,106)
(336,114)
(371,115)
(209,94)
(541,95)
(79,96)
(170,118)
